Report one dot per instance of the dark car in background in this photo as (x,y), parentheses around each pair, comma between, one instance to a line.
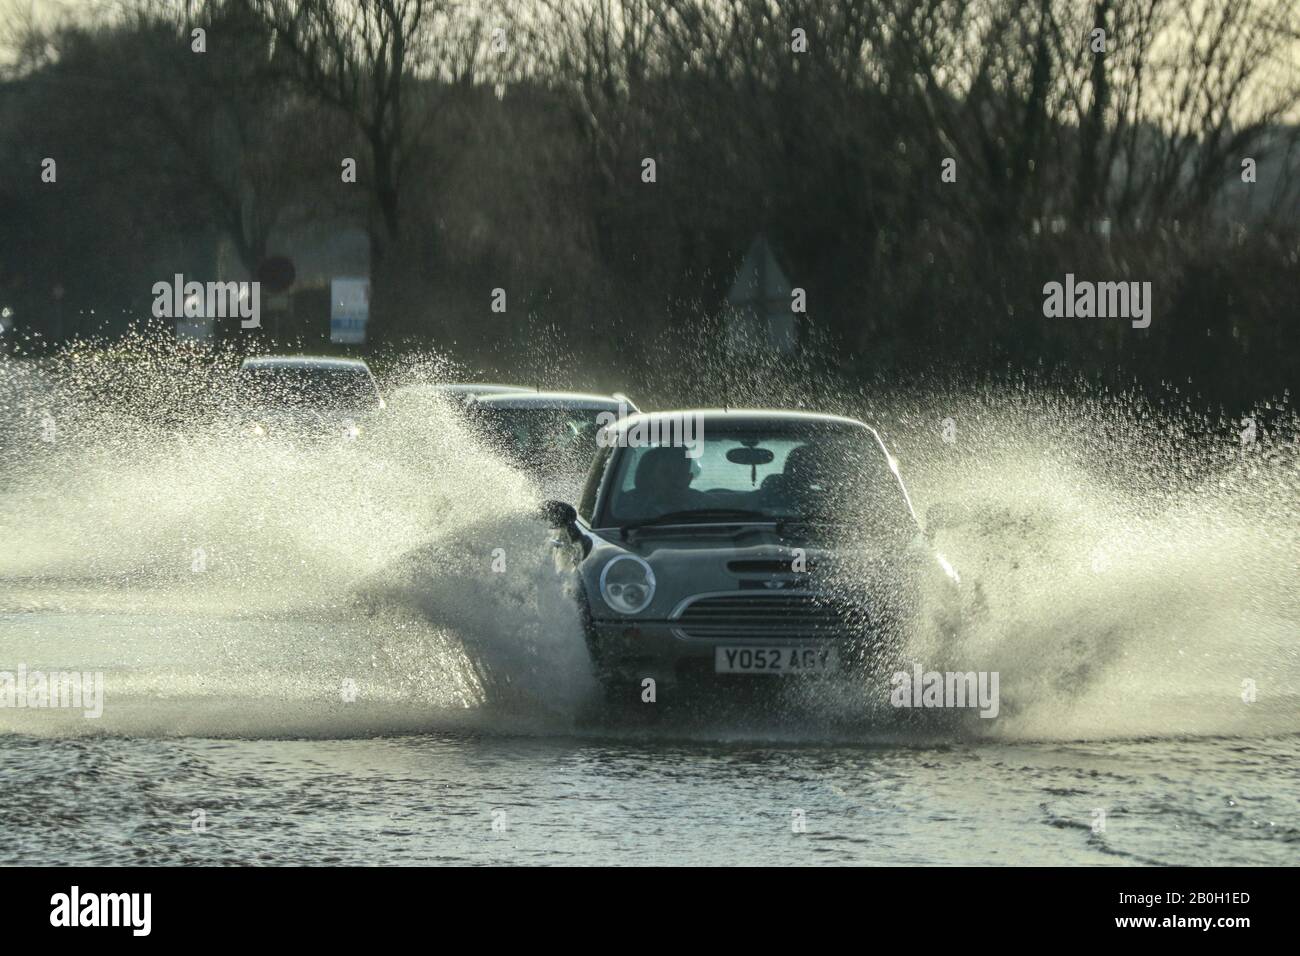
(549,435)
(306,396)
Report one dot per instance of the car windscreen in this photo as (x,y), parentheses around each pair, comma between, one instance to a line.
(540,437)
(318,388)
(832,473)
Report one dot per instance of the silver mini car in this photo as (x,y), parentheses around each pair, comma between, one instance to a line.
(714,544)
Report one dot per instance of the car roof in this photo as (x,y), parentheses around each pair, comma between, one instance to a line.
(578,400)
(480,388)
(302,361)
(742,417)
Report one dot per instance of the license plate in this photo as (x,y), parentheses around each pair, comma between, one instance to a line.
(773,660)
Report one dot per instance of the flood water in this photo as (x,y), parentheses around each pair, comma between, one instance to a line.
(307,655)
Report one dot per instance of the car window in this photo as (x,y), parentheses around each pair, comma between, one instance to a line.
(714,472)
(542,429)
(542,440)
(836,473)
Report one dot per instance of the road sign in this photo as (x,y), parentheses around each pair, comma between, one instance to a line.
(349,310)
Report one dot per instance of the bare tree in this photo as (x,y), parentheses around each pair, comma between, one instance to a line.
(1180,95)
(358,58)
(243,138)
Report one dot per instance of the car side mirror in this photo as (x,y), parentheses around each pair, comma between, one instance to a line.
(560,515)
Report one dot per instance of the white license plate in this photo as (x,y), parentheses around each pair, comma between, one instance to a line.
(764,659)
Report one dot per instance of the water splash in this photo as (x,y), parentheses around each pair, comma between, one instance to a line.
(1131,567)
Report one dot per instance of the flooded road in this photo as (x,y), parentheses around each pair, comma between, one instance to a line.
(202,757)
(477,798)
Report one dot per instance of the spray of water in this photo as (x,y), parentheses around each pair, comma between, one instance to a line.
(1137,566)
(227,583)
(1129,568)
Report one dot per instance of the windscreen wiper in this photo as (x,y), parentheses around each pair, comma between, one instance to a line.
(696,516)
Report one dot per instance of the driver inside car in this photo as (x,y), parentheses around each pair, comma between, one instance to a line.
(662,484)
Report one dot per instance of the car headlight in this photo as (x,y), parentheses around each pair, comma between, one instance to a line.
(627,584)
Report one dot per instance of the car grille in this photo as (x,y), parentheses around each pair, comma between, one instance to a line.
(780,615)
